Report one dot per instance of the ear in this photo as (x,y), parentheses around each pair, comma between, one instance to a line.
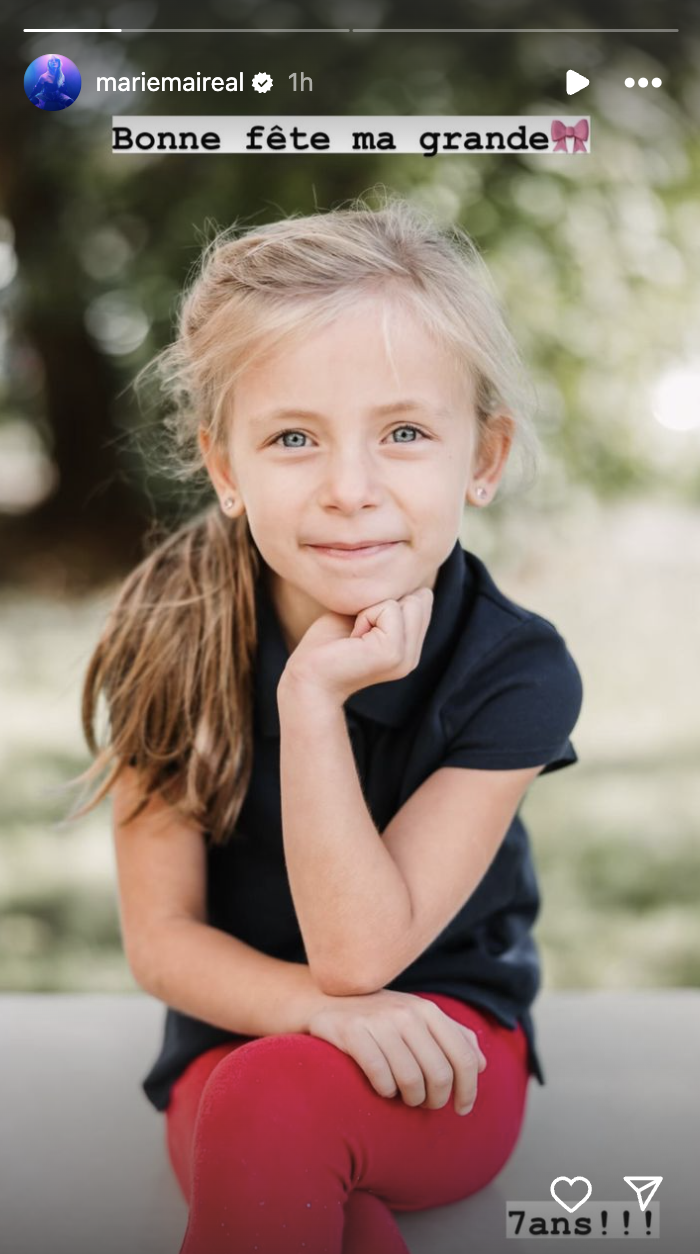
(217,464)
(496,439)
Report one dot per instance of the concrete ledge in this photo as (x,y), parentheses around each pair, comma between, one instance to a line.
(85,1173)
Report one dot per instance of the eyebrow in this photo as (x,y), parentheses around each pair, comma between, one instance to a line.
(395,407)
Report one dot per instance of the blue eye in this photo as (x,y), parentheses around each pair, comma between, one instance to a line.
(408,427)
(404,427)
(282,434)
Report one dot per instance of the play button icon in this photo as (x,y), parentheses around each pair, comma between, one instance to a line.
(575,82)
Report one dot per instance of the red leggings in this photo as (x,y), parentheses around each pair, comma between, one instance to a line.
(281,1145)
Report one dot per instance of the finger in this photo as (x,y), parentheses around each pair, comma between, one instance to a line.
(423,596)
(386,617)
(369,1056)
(372,633)
(405,1067)
(416,617)
(471,1036)
(463,1056)
(396,643)
(414,607)
(436,1067)
(363,624)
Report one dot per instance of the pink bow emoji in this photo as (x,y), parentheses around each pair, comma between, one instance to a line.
(578,133)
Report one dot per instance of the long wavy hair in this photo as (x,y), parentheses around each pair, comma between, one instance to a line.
(176,656)
(59,77)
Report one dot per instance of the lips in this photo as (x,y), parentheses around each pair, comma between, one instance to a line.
(356,553)
(364,544)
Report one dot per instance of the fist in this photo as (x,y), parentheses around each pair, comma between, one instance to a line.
(340,654)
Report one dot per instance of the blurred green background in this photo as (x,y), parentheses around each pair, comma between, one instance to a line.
(597,262)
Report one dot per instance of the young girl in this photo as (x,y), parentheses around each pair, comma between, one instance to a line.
(323,718)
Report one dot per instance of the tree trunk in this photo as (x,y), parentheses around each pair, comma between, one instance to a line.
(91,524)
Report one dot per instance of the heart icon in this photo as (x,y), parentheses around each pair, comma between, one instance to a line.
(570,1180)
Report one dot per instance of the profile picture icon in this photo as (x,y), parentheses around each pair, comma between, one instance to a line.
(52,82)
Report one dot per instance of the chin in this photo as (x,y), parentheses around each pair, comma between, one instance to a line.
(356,597)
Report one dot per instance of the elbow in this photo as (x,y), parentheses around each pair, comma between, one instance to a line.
(141,963)
(342,987)
(141,975)
(356,976)
(335,981)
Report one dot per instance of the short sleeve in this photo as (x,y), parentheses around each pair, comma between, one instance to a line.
(519,704)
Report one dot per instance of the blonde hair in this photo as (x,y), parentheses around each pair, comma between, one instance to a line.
(60,79)
(175,659)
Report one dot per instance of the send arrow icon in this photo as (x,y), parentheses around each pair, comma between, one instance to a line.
(575,82)
(643,1184)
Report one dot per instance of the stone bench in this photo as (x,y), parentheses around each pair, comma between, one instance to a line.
(84,1169)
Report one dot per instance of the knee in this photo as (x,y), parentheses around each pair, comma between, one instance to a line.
(293,1074)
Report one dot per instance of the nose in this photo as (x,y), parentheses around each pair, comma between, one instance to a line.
(351,478)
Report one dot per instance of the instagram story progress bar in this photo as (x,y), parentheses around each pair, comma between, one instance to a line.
(351,30)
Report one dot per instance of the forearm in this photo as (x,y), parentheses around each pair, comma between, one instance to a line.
(215,977)
(350,897)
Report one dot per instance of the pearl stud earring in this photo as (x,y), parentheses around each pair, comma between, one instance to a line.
(481,493)
(228,502)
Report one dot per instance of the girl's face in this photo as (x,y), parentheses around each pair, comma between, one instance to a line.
(371,454)
(53,66)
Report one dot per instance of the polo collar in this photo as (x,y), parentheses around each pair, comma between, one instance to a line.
(390,703)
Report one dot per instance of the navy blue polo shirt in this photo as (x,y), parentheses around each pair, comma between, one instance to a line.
(495,688)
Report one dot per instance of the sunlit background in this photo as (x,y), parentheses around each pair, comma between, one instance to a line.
(597,262)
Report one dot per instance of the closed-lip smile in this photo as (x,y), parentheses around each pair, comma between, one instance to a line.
(362,544)
(347,552)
